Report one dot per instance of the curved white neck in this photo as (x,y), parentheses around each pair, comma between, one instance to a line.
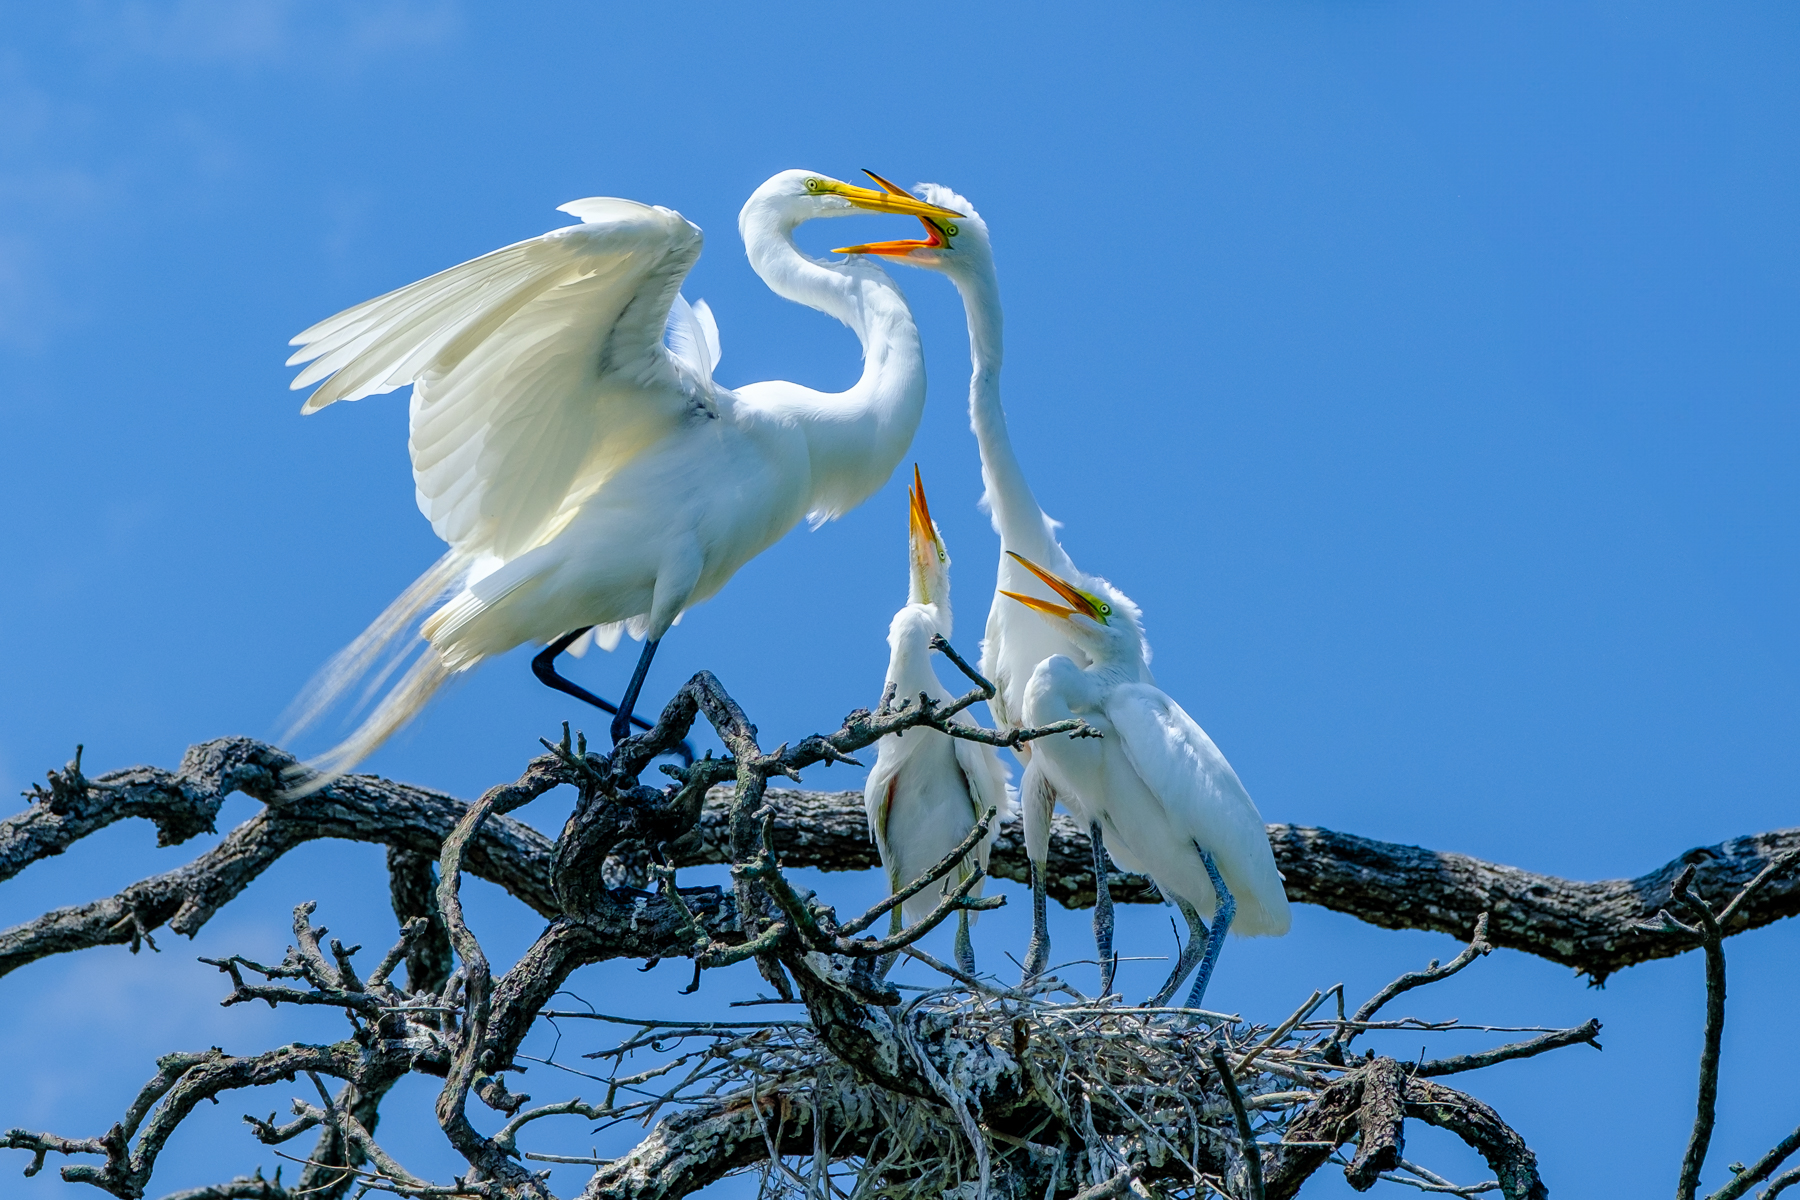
(909,652)
(854,438)
(1021,524)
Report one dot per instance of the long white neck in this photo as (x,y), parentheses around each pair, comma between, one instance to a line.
(910,668)
(1018,520)
(854,438)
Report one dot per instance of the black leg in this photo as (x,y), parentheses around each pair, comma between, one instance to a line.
(544,667)
(622,719)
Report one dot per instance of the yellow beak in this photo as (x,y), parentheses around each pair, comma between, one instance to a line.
(889,199)
(920,522)
(925,551)
(937,232)
(1078,602)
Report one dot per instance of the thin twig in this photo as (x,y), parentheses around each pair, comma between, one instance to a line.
(1706,1100)
(941,868)
(1780,1184)
(1760,1170)
(1478,946)
(1777,866)
(942,645)
(1279,1032)
(1246,1138)
(1587,1032)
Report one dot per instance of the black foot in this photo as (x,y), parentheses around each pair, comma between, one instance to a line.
(544,667)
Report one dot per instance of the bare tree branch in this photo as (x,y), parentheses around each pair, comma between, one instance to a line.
(1593,927)
(1507,1155)
(245,1187)
(1585,1033)
(1006,1091)
(357,808)
(1253,1170)
(1761,1169)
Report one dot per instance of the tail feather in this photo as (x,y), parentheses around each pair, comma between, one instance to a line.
(367,663)
(402,703)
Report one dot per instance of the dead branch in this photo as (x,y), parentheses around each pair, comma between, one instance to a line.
(1594,927)
(1585,1033)
(1034,1091)
(1709,932)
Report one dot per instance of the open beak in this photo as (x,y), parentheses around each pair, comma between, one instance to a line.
(923,531)
(1078,603)
(927,552)
(938,226)
(889,199)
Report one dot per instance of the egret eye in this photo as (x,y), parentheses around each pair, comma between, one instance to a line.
(1105,609)
(813,185)
(942,557)
(951,231)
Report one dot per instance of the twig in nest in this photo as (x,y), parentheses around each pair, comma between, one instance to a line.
(1246,1138)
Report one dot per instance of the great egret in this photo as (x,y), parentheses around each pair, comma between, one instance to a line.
(927,789)
(1016,642)
(585,473)
(1171,806)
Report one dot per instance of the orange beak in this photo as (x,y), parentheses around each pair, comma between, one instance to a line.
(1078,603)
(921,513)
(937,233)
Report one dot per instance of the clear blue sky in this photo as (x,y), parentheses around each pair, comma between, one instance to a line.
(1426,371)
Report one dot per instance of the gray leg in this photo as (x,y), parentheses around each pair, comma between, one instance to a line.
(1103,912)
(1189,957)
(886,962)
(1037,954)
(1215,941)
(965,949)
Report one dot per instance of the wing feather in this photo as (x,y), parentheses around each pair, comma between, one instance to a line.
(537,368)
(709,325)
(1181,765)
(878,799)
(986,777)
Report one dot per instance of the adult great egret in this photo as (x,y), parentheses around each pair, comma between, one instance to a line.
(1016,642)
(927,789)
(585,473)
(1171,806)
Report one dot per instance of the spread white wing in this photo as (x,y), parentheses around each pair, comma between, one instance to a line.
(1181,765)
(538,369)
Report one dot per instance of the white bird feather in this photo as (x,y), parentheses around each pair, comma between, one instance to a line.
(927,790)
(584,470)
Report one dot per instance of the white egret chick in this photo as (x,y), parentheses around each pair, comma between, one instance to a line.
(928,790)
(571,445)
(1016,642)
(1171,806)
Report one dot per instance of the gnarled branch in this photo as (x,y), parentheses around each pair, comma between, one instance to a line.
(1594,927)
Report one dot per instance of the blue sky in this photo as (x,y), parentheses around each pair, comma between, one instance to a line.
(1426,371)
